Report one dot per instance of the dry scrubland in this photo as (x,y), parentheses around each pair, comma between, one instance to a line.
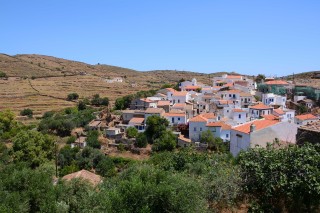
(48,81)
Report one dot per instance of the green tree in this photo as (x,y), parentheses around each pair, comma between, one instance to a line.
(260,78)
(93,139)
(27,112)
(72,96)
(132,132)
(33,147)
(282,179)
(156,125)
(153,190)
(167,141)
(214,143)
(302,109)
(7,121)
(141,140)
(81,105)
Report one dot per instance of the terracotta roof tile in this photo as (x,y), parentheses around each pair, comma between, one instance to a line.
(174,114)
(208,115)
(234,76)
(270,117)
(198,118)
(154,111)
(221,124)
(260,124)
(163,103)
(260,106)
(137,120)
(238,110)
(306,117)
(277,82)
(192,87)
(279,111)
(180,93)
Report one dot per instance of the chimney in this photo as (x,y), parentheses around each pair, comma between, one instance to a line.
(252,127)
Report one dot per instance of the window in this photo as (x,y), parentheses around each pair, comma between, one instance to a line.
(227,110)
(178,119)
(178,100)
(239,116)
(200,129)
(195,129)
(172,120)
(230,95)
(227,135)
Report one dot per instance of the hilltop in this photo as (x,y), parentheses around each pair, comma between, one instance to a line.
(43,82)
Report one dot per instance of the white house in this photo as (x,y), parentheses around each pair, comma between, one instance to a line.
(184,84)
(137,123)
(220,129)
(80,142)
(284,115)
(239,116)
(259,110)
(198,124)
(176,117)
(153,111)
(260,133)
(180,97)
(271,99)
(305,119)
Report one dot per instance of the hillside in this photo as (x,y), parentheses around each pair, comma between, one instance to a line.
(42,82)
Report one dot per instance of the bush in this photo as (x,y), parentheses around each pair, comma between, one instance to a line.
(167,141)
(27,112)
(92,139)
(132,132)
(3,75)
(141,140)
(72,96)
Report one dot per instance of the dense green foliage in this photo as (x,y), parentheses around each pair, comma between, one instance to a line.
(72,96)
(27,112)
(166,142)
(124,102)
(141,140)
(131,132)
(214,143)
(61,123)
(32,147)
(279,179)
(156,125)
(97,101)
(93,139)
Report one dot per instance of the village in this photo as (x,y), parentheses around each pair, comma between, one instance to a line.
(242,112)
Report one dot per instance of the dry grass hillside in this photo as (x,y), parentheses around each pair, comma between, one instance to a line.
(42,83)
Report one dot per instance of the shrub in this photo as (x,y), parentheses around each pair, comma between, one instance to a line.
(72,96)
(132,132)
(3,75)
(141,140)
(27,112)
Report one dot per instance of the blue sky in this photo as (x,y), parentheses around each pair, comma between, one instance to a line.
(274,37)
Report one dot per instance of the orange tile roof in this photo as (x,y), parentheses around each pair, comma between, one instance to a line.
(171,90)
(234,76)
(136,120)
(206,88)
(221,124)
(182,93)
(216,87)
(208,115)
(270,117)
(306,117)
(154,110)
(85,175)
(232,91)
(192,87)
(238,110)
(179,105)
(198,118)
(260,106)
(228,85)
(174,114)
(277,82)
(279,111)
(260,124)
(163,103)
